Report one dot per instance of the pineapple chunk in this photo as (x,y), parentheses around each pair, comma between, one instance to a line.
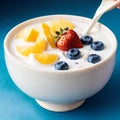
(46,58)
(57,24)
(32,36)
(48,35)
(38,48)
(29,35)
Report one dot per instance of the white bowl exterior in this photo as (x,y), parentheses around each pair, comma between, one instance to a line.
(60,87)
(53,87)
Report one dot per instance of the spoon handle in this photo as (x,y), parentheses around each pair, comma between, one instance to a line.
(106,5)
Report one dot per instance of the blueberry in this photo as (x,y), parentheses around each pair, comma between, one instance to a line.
(97,45)
(86,39)
(94,58)
(61,65)
(73,54)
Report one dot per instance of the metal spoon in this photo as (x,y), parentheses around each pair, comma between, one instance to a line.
(106,5)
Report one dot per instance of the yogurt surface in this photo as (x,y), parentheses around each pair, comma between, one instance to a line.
(99,33)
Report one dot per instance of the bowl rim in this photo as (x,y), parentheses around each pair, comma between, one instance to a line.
(8,36)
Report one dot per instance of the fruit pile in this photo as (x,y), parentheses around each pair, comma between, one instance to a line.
(58,34)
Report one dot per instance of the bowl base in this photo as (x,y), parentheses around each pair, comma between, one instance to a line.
(60,107)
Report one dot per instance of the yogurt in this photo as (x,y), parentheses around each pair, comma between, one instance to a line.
(98,34)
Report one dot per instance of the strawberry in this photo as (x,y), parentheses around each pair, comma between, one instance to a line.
(68,39)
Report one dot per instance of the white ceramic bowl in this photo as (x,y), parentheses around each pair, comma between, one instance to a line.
(59,91)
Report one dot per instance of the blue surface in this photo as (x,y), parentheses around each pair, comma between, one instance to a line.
(15,105)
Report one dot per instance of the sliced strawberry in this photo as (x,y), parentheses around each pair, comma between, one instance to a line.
(68,40)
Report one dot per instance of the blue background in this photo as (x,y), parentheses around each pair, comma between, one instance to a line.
(15,105)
